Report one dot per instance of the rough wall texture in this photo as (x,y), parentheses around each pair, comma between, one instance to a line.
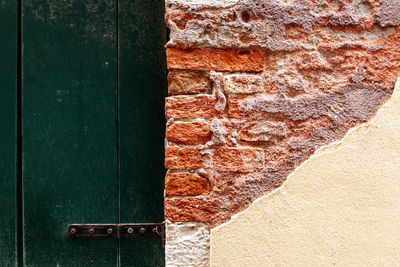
(187,244)
(339,208)
(256,86)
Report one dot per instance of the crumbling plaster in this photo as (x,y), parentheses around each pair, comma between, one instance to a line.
(273,81)
(341,207)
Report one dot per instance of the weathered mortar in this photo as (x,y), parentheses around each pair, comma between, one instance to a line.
(287,78)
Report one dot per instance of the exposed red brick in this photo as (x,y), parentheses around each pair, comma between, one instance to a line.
(214,59)
(258,132)
(179,18)
(326,68)
(384,64)
(186,184)
(190,209)
(182,158)
(242,84)
(238,159)
(186,107)
(189,133)
(188,83)
(295,33)
(233,108)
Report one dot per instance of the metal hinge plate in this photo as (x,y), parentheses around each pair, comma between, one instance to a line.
(119,231)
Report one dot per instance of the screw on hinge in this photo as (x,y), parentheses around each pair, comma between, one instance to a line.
(130,230)
(91,231)
(142,230)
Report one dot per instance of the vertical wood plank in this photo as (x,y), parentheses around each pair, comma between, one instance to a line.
(142,87)
(69,129)
(8,132)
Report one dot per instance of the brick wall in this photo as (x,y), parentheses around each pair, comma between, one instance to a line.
(256,86)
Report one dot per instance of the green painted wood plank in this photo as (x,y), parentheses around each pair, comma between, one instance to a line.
(69,129)
(142,87)
(8,140)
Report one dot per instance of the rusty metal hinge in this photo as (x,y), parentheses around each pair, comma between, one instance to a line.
(119,231)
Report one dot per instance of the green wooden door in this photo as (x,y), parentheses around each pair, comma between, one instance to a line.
(84,138)
(8,132)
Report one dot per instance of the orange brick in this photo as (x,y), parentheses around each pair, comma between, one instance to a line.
(238,159)
(182,158)
(188,83)
(190,209)
(214,59)
(242,84)
(189,133)
(233,108)
(186,107)
(186,184)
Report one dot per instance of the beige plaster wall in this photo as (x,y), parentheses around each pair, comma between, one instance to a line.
(339,208)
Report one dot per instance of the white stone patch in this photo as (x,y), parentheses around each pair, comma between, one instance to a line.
(187,244)
(172,4)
